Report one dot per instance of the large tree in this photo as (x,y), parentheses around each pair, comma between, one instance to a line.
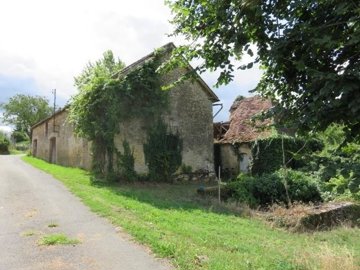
(23,111)
(309,49)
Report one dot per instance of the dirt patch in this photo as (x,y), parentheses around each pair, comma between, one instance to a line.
(307,218)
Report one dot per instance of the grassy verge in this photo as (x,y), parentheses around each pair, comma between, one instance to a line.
(176,224)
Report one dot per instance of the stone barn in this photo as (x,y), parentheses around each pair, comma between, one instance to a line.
(233,139)
(189,114)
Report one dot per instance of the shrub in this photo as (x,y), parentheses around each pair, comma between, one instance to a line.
(302,187)
(269,188)
(4,145)
(185,169)
(19,136)
(126,162)
(22,146)
(243,189)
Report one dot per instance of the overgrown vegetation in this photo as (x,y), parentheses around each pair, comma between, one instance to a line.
(321,169)
(267,189)
(268,153)
(106,91)
(195,235)
(4,144)
(163,152)
(126,162)
(337,167)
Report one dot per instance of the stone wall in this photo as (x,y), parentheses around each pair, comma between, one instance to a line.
(189,115)
(59,144)
(230,159)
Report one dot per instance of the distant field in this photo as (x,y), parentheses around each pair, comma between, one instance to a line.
(175,223)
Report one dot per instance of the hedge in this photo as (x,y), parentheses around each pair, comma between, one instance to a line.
(268,155)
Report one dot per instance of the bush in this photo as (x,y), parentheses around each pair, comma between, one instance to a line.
(19,136)
(186,169)
(302,187)
(243,189)
(4,145)
(269,188)
(22,146)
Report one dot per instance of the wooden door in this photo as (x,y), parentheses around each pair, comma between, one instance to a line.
(52,158)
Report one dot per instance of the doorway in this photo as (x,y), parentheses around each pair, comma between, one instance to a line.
(52,158)
(34,150)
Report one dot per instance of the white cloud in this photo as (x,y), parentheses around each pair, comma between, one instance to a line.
(51,41)
(5,129)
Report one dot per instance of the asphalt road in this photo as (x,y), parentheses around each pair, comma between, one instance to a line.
(30,200)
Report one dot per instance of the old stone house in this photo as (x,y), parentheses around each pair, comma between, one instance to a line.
(189,114)
(233,139)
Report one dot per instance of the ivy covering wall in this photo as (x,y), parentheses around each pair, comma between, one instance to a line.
(163,152)
(108,96)
(268,154)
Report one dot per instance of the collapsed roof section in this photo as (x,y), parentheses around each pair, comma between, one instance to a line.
(242,128)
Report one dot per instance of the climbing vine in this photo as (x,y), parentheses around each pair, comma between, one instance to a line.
(126,162)
(110,94)
(162,152)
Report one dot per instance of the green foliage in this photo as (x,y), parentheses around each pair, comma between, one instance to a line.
(19,136)
(302,187)
(4,144)
(268,155)
(243,190)
(308,50)
(96,101)
(22,146)
(337,167)
(338,184)
(108,92)
(24,111)
(162,152)
(125,163)
(186,169)
(269,188)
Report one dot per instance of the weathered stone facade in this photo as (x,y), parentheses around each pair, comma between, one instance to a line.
(234,158)
(189,115)
(233,139)
(57,143)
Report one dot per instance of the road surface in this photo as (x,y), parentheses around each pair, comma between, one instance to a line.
(31,200)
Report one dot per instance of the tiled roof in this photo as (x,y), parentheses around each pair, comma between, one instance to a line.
(242,128)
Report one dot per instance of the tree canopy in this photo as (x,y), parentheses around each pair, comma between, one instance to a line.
(309,49)
(23,111)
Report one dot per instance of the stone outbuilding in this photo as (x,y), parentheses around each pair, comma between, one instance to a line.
(189,114)
(233,139)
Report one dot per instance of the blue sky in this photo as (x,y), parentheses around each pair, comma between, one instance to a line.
(44,44)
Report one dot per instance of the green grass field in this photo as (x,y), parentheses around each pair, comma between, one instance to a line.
(176,224)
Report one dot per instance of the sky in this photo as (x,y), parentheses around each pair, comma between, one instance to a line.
(45,44)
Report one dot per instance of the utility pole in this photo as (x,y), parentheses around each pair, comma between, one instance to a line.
(54,109)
